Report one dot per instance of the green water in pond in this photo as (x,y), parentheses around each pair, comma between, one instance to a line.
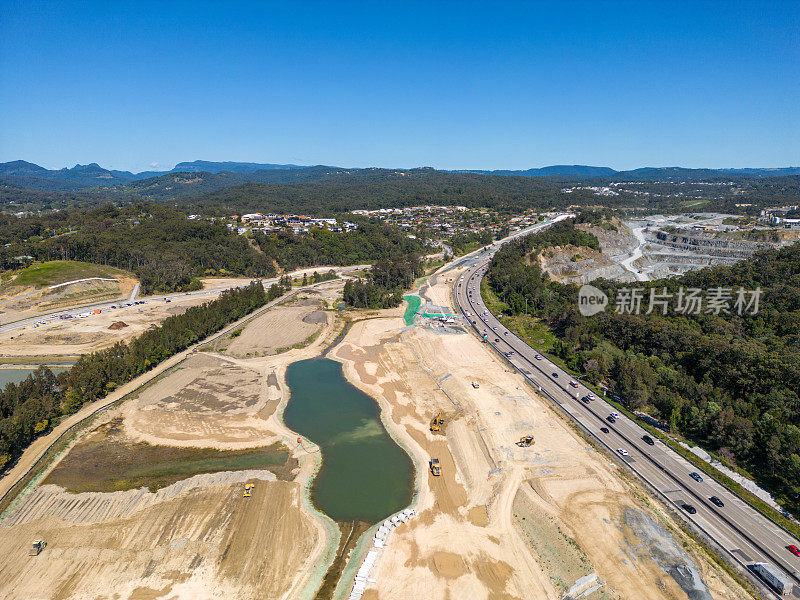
(365,475)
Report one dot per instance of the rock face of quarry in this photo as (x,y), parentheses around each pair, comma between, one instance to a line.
(659,246)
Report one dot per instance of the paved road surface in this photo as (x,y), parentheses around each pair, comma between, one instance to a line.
(745,534)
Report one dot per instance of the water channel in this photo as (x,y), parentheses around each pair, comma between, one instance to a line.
(365,475)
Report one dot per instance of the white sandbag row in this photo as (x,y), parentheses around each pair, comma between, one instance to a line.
(362,577)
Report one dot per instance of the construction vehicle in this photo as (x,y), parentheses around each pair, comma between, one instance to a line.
(475,385)
(248,489)
(437,422)
(525,441)
(36,548)
(434,467)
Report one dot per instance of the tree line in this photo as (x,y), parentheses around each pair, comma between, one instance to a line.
(383,287)
(30,408)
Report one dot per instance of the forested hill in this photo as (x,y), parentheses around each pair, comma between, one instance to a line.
(384,189)
(726,381)
(169,252)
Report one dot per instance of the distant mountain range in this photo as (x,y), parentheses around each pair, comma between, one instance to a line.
(201,176)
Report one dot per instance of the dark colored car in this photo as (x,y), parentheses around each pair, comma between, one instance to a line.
(717,502)
(610,419)
(648,440)
(696,477)
(689,508)
(555,375)
(793,549)
(604,429)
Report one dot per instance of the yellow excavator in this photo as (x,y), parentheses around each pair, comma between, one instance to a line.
(438,421)
(525,441)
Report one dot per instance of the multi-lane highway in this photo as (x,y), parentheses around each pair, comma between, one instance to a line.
(741,531)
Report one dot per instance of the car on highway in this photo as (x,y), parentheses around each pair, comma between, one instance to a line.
(590,396)
(538,357)
(688,508)
(696,476)
(585,400)
(717,502)
(604,429)
(793,549)
(648,440)
(610,419)
(496,339)
(615,415)
(622,451)
(573,383)
(555,375)
(505,333)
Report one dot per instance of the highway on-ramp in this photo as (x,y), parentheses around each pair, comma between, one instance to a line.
(742,532)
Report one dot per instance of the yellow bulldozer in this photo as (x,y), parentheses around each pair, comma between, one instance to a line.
(438,421)
(434,466)
(525,441)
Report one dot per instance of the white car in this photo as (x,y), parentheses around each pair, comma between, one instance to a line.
(615,415)
(622,451)
(538,357)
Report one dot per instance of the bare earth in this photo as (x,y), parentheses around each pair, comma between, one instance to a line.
(198,538)
(505,522)
(80,336)
(501,522)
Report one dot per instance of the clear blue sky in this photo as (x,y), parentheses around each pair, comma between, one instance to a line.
(449,85)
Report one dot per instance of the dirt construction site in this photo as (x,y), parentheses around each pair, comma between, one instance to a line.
(554,520)
(149,501)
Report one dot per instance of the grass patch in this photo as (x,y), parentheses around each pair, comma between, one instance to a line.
(536,334)
(59,271)
(492,302)
(106,463)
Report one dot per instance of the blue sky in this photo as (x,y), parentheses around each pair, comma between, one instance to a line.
(449,85)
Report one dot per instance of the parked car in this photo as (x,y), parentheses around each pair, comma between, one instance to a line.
(717,502)
(648,440)
(689,508)
(696,476)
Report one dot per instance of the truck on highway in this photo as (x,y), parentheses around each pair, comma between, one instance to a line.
(777,581)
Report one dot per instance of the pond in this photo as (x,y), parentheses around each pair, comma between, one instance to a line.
(365,475)
(16,375)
